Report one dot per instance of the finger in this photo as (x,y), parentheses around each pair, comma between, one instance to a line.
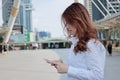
(48,61)
(55,66)
(54,62)
(60,60)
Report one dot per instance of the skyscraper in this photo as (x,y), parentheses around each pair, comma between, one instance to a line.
(26,14)
(88,5)
(98,9)
(93,10)
(113,6)
(6,11)
(96,12)
(24,18)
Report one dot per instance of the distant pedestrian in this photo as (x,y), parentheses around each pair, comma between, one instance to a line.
(35,46)
(104,43)
(109,48)
(0,48)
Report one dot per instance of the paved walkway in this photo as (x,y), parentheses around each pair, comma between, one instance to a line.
(112,67)
(28,65)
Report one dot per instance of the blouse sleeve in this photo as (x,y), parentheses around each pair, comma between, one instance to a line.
(95,59)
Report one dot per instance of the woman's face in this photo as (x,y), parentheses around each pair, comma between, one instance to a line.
(71,30)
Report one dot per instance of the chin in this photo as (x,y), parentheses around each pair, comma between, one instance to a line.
(72,35)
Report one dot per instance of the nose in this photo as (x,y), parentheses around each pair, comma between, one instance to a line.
(68,28)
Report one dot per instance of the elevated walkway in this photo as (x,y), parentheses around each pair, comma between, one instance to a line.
(109,21)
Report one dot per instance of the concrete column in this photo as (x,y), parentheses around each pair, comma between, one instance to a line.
(48,45)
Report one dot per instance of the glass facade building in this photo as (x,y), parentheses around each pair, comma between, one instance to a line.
(24,17)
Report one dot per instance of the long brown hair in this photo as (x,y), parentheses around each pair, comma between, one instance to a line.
(77,16)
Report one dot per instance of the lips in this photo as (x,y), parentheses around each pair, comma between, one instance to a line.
(69,30)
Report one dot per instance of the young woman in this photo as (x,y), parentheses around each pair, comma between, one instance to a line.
(86,58)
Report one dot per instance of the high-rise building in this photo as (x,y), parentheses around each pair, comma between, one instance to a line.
(42,35)
(26,14)
(98,9)
(92,6)
(6,11)
(24,17)
(23,22)
(88,5)
(113,6)
(97,15)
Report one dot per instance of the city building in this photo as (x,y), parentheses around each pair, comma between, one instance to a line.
(113,6)
(88,5)
(31,37)
(42,35)
(26,15)
(6,11)
(101,10)
(23,22)
(95,9)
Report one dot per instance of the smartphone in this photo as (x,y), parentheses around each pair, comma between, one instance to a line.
(50,61)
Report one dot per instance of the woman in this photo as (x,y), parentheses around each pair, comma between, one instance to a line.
(87,54)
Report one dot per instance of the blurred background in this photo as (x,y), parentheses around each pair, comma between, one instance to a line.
(35,25)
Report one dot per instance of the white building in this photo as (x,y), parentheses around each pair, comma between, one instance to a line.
(88,5)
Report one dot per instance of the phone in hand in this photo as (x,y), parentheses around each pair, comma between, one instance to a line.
(50,62)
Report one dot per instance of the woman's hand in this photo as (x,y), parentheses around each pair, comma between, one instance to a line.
(52,62)
(59,65)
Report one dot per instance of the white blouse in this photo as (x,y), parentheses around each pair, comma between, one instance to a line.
(88,65)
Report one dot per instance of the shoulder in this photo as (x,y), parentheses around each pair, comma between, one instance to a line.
(92,42)
(95,44)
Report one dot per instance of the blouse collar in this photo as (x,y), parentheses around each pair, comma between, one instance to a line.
(74,40)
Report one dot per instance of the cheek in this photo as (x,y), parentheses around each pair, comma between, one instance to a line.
(74,30)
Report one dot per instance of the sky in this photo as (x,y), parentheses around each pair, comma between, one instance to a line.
(46,15)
